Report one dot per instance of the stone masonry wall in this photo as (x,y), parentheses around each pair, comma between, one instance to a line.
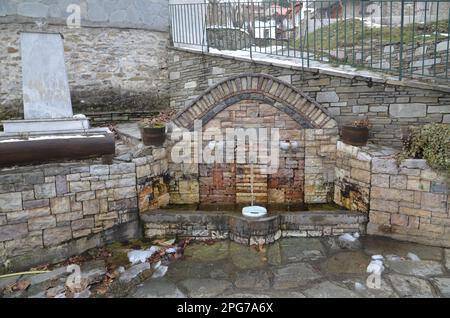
(108,69)
(406,200)
(352,178)
(50,212)
(389,105)
(413,206)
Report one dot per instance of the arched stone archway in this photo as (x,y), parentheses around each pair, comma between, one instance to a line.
(261,100)
(259,87)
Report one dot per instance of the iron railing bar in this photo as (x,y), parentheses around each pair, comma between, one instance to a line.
(424,36)
(436,36)
(413,38)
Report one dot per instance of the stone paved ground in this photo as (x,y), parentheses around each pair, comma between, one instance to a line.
(289,268)
(302,267)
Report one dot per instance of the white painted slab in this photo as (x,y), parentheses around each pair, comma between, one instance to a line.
(45,86)
(45,125)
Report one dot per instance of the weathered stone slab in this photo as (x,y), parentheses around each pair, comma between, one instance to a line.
(329,290)
(351,262)
(202,252)
(294,275)
(416,268)
(408,286)
(157,288)
(205,287)
(253,279)
(45,85)
(300,249)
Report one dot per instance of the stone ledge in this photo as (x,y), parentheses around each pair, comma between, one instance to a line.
(203,225)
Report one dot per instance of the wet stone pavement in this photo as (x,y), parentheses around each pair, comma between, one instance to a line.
(303,267)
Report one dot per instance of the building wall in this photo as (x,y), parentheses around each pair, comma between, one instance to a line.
(389,105)
(116,61)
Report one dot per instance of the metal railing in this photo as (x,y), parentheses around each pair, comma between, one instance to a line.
(403,38)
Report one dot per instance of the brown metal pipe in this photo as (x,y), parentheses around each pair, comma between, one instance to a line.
(40,151)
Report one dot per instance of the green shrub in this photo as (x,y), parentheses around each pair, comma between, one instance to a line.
(430,142)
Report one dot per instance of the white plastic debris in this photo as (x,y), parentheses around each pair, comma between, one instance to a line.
(347,237)
(413,257)
(356,235)
(79,116)
(375,267)
(160,271)
(140,256)
(156,265)
(377,257)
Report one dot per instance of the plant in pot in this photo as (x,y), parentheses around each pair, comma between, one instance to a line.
(356,134)
(153,129)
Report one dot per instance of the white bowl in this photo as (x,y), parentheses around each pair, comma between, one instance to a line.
(254,211)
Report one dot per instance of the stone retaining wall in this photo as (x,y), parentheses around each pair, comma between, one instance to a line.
(406,200)
(203,225)
(389,105)
(50,212)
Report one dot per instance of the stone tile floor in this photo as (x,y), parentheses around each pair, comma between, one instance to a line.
(289,268)
(303,267)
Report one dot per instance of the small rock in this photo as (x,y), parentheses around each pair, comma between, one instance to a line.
(133,272)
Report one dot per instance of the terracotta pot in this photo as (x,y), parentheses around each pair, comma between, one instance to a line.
(355,136)
(153,136)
